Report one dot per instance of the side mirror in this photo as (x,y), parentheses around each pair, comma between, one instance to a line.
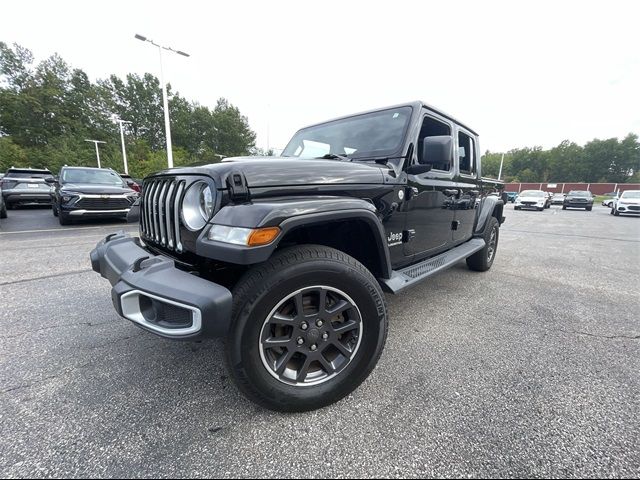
(437,151)
(50,180)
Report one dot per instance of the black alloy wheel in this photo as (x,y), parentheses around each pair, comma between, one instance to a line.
(311,336)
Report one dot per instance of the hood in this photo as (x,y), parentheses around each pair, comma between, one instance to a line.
(94,188)
(288,171)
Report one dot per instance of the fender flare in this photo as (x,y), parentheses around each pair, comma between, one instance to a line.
(485,212)
(289,216)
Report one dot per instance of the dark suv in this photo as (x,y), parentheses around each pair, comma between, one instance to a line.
(578,199)
(83,192)
(288,257)
(26,186)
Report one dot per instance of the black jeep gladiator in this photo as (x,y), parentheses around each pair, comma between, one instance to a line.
(288,257)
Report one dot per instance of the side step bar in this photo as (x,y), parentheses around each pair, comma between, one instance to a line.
(413,274)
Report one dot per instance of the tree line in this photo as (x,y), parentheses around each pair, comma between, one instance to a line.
(47,111)
(599,161)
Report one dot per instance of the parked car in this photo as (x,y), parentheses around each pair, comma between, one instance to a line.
(557,198)
(306,242)
(578,199)
(26,186)
(629,202)
(132,183)
(608,202)
(512,196)
(83,192)
(3,206)
(534,199)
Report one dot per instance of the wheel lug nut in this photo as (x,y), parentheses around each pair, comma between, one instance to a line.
(314,347)
(304,326)
(300,340)
(319,323)
(325,336)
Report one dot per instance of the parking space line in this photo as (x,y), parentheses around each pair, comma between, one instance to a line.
(57,230)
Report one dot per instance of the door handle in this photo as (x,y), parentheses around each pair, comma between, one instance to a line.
(451,192)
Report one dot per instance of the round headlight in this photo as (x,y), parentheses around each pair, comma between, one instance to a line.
(197,206)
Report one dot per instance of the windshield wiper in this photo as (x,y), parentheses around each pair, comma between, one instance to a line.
(334,156)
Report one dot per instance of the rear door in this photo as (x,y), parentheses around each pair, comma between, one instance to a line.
(467,184)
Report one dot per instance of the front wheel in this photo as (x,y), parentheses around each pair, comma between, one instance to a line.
(482,260)
(63,218)
(588,209)
(616,212)
(309,325)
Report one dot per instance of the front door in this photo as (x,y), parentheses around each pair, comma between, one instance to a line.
(431,199)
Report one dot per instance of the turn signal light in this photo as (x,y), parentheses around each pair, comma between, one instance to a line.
(262,236)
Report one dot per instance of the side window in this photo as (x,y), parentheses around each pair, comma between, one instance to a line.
(433,128)
(466,153)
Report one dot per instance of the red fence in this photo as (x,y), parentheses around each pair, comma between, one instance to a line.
(595,188)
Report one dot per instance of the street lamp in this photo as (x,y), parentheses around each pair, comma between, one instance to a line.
(124,151)
(165,101)
(96,142)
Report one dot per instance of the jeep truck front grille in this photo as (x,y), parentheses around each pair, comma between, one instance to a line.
(160,212)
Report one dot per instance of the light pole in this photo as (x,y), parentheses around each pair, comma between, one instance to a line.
(124,151)
(96,142)
(165,100)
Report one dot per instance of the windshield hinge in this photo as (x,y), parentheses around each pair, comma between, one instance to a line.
(238,189)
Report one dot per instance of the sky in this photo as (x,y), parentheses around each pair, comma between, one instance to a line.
(520,73)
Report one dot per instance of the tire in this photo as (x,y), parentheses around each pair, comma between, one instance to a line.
(3,211)
(616,212)
(611,212)
(540,209)
(482,260)
(293,277)
(55,210)
(564,207)
(588,209)
(63,219)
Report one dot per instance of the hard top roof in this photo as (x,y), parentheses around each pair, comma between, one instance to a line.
(417,104)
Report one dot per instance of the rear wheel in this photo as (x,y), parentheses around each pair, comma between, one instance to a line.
(309,325)
(482,260)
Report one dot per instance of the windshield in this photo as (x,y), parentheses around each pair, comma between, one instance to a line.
(532,193)
(377,134)
(580,194)
(631,194)
(100,177)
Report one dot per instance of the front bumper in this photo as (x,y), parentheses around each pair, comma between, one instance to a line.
(151,292)
(96,213)
(578,204)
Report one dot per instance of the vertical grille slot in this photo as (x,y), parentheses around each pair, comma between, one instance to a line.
(160,218)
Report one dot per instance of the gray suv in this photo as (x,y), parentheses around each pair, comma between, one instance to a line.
(26,186)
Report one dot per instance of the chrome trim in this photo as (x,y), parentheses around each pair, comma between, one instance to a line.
(130,303)
(167,210)
(154,212)
(91,212)
(161,204)
(104,196)
(176,215)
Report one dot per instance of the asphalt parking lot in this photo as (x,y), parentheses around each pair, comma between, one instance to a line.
(528,370)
